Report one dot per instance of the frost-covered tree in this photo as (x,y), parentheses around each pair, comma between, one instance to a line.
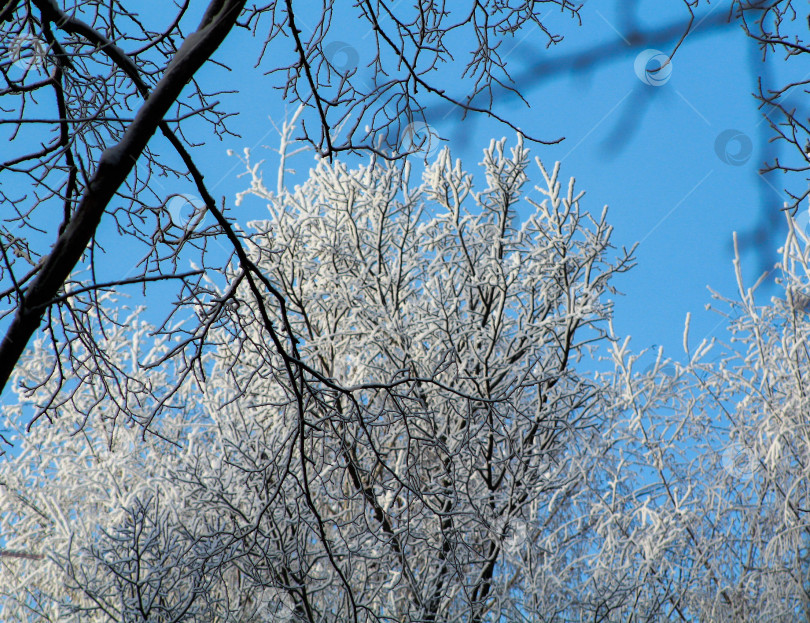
(434,452)
(705,512)
(105,106)
(421,454)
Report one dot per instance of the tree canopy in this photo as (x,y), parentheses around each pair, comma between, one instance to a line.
(438,452)
(385,400)
(107,102)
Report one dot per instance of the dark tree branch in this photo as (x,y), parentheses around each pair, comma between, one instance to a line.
(114,165)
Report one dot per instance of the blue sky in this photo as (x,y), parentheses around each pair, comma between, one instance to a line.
(649,152)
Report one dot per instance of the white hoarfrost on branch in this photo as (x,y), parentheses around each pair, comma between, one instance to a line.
(434,411)
(707,515)
(431,449)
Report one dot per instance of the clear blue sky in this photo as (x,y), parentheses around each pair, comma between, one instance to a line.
(649,152)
